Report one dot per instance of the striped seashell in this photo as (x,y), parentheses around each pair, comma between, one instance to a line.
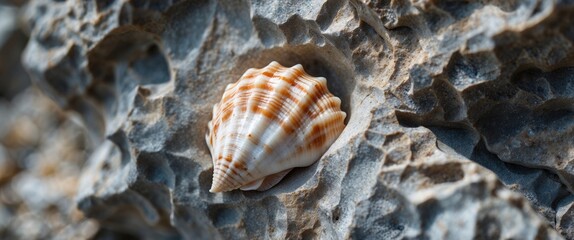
(270,121)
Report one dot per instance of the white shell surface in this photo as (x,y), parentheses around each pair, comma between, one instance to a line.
(270,121)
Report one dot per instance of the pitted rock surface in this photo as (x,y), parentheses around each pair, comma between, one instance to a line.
(460,114)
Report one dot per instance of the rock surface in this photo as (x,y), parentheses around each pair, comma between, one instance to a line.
(460,114)
(41,151)
(12,43)
(41,156)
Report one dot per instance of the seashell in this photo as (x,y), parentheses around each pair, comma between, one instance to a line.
(270,121)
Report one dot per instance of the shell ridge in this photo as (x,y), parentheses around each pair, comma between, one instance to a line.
(228,146)
(226,179)
(302,107)
(280,85)
(237,111)
(323,103)
(210,133)
(258,153)
(275,137)
(249,118)
(249,121)
(282,152)
(228,140)
(325,133)
(251,128)
(215,137)
(326,125)
(224,183)
(325,96)
(277,152)
(318,89)
(303,98)
(232,179)
(273,129)
(208,137)
(306,155)
(299,109)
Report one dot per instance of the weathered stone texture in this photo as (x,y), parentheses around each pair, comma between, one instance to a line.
(460,114)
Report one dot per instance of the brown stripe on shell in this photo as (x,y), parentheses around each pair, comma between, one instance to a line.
(302,108)
(267,148)
(233,177)
(323,130)
(254,139)
(268,74)
(240,165)
(319,136)
(260,87)
(239,100)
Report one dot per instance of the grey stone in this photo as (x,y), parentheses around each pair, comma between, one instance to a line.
(42,155)
(13,79)
(445,101)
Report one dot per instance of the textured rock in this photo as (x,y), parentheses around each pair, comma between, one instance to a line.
(434,92)
(12,43)
(41,155)
(41,151)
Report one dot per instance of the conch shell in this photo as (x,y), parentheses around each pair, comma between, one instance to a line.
(270,121)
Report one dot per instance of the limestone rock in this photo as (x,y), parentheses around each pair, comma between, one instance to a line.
(445,101)
(42,152)
(12,43)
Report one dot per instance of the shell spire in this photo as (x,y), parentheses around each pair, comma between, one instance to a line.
(270,121)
